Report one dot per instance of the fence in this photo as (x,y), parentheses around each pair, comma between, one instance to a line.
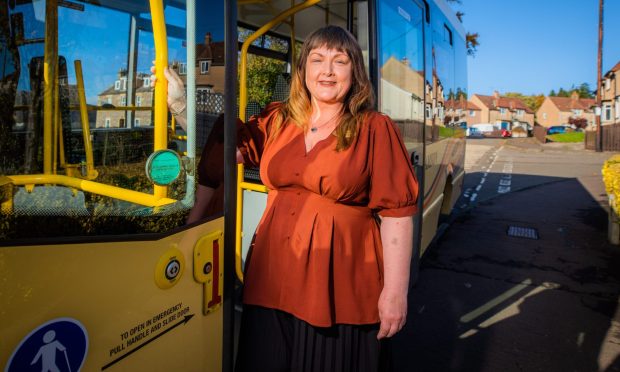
(610,138)
(540,133)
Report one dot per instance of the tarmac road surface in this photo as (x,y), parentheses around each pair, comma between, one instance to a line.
(523,279)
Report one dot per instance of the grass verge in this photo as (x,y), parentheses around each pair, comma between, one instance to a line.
(567,137)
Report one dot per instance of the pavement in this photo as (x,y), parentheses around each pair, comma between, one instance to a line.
(524,281)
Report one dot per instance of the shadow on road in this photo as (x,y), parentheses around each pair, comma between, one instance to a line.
(486,301)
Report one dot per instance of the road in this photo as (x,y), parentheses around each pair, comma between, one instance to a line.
(523,279)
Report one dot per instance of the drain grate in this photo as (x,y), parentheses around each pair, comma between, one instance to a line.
(523,232)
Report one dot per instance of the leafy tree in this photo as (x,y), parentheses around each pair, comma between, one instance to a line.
(578,122)
(583,90)
(471,38)
(533,101)
(471,43)
(262,75)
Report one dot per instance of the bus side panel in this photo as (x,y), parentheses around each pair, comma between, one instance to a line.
(110,288)
(444,162)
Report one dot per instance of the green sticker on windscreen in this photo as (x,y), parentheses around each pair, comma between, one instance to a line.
(163,167)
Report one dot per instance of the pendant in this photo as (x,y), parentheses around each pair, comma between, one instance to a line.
(313,129)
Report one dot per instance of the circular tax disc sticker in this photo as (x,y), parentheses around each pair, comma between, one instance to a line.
(163,167)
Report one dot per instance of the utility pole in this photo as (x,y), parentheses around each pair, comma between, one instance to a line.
(599,137)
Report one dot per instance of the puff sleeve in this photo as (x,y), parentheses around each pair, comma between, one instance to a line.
(393,189)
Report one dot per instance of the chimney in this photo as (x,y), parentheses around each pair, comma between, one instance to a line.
(208,38)
(496,98)
(574,96)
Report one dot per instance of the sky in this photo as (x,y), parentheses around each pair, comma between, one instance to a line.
(534,46)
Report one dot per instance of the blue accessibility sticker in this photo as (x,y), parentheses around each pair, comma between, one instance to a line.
(59,345)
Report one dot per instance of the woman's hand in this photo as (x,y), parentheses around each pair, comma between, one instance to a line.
(176,89)
(397,240)
(392,312)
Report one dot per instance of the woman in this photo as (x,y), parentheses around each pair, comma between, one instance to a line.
(328,272)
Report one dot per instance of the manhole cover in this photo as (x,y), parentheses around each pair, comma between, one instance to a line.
(522,232)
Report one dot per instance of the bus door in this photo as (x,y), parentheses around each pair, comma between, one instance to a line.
(99,269)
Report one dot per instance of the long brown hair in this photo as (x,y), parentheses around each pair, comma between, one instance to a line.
(358,100)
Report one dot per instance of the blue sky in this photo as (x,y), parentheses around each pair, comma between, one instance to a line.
(534,46)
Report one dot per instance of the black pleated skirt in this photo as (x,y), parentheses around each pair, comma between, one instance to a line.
(275,341)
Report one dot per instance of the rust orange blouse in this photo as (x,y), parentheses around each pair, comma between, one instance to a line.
(317,251)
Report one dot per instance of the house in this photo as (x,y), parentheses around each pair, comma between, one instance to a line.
(209,67)
(505,112)
(116,96)
(563,110)
(402,89)
(463,111)
(610,96)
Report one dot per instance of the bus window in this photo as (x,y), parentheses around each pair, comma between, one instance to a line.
(401,67)
(81,169)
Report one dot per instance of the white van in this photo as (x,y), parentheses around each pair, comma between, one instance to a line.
(477,130)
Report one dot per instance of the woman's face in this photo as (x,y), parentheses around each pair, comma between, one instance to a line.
(328,75)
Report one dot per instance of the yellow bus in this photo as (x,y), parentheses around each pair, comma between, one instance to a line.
(98,268)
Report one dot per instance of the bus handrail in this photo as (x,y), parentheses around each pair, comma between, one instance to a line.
(98,188)
(160,115)
(243,98)
(91,173)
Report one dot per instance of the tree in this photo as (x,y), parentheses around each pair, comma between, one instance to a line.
(533,101)
(262,76)
(471,43)
(578,122)
(471,38)
(583,90)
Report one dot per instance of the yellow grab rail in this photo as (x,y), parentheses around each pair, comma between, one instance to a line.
(120,193)
(243,102)
(91,173)
(50,75)
(161,85)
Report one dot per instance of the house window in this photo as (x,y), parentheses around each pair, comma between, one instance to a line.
(607,112)
(607,84)
(440,113)
(428,111)
(123,100)
(520,112)
(544,115)
(502,110)
(577,112)
(109,100)
(124,83)
(617,108)
(107,122)
(147,82)
(459,112)
(472,113)
(117,85)
(136,122)
(204,67)
(121,123)
(182,68)
(138,101)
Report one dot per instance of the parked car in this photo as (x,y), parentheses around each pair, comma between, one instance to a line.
(473,132)
(506,133)
(556,129)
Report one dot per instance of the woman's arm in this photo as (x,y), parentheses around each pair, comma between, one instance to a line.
(397,240)
(203,197)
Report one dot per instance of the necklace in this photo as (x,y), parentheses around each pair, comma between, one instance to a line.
(315,128)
